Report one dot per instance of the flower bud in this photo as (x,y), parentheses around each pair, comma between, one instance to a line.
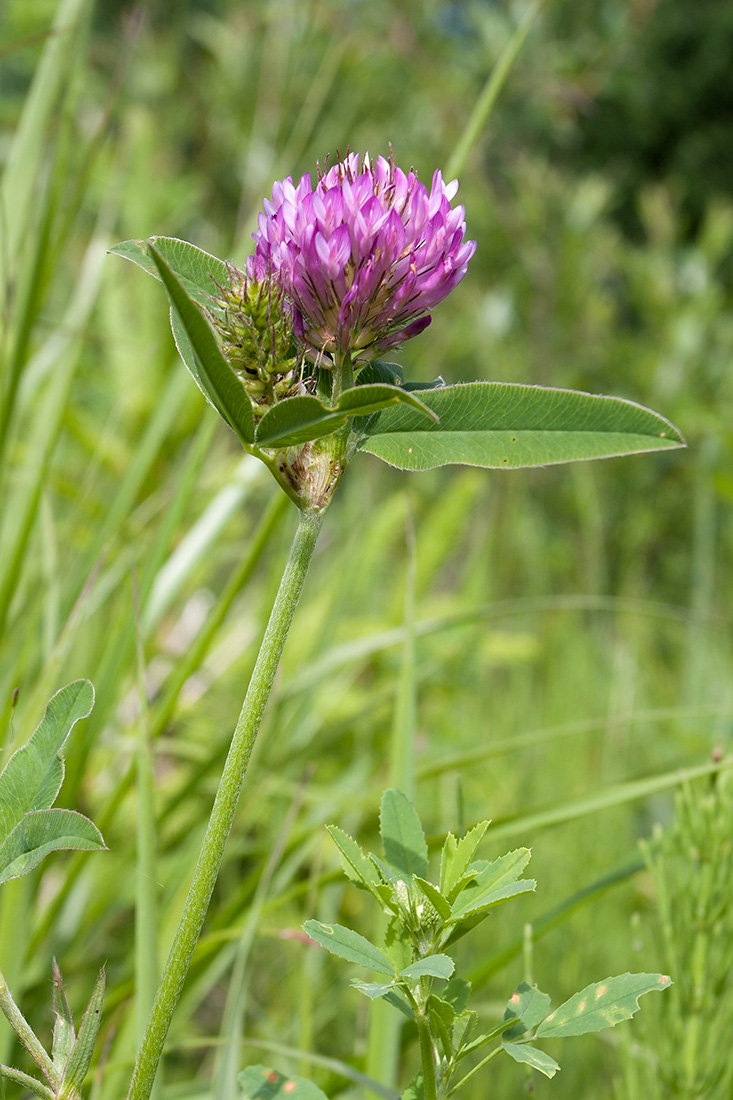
(255,324)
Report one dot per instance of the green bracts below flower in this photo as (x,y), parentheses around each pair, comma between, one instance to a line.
(255,324)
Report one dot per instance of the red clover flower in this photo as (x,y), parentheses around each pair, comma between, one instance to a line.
(363,257)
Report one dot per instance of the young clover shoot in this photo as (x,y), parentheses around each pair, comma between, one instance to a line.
(418,977)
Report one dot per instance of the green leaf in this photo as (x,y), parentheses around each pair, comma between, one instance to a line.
(348,944)
(389,874)
(400,1004)
(495,882)
(437,383)
(442,1009)
(601,1005)
(358,867)
(533,1057)
(442,1017)
(44,831)
(33,775)
(373,990)
(415,1089)
(530,1005)
(402,835)
(263,1083)
(455,858)
(432,966)
(377,371)
(197,271)
(462,1028)
(485,1037)
(457,992)
(81,1057)
(364,400)
(434,896)
(297,420)
(202,355)
(502,426)
(64,1034)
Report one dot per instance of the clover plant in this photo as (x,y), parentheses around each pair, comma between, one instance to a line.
(291,352)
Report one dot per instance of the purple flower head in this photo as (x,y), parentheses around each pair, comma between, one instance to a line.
(364,257)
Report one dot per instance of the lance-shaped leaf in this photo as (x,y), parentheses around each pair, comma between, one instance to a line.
(356,865)
(434,896)
(531,1056)
(501,425)
(44,831)
(349,945)
(297,420)
(485,1037)
(81,1056)
(264,1083)
(32,777)
(202,355)
(601,1005)
(402,836)
(455,858)
(64,1035)
(495,882)
(198,272)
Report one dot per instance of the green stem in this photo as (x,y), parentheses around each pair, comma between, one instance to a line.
(342,376)
(427,1058)
(27,1036)
(472,1073)
(26,1082)
(225,805)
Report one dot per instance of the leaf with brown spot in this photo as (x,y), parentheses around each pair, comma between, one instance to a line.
(264,1083)
(603,1004)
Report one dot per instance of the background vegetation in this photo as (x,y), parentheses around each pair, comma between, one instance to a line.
(571,643)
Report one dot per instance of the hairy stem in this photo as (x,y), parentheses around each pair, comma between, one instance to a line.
(225,805)
(427,1058)
(27,1082)
(27,1036)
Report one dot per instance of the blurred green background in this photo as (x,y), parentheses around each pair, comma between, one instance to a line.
(572,641)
